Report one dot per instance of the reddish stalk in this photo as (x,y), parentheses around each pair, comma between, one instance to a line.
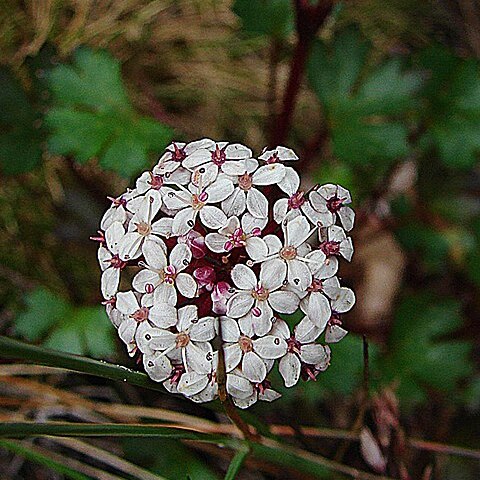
(308,20)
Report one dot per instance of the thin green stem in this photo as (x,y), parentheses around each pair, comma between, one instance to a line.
(237,463)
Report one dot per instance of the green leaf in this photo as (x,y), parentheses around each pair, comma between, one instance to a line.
(236,464)
(80,330)
(365,113)
(453,108)
(92,116)
(20,137)
(265,17)
(44,309)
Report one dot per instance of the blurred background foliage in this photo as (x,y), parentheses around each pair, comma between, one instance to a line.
(92,92)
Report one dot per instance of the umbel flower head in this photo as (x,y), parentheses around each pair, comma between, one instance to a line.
(220,248)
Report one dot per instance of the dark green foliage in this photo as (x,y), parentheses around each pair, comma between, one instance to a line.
(93,117)
(365,110)
(265,17)
(61,326)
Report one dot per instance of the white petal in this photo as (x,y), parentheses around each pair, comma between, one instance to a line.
(157,366)
(230,330)
(176,199)
(262,324)
(280,209)
(233,356)
(204,330)
(127,302)
(253,367)
(186,284)
(331,287)
(236,203)
(318,309)
(270,347)
(204,175)
(154,255)
(290,182)
(312,353)
(165,293)
(232,224)
(239,167)
(283,153)
(249,222)
(183,221)
(163,315)
(197,359)
(204,143)
(186,317)
(297,231)
(180,256)
(237,151)
(126,332)
(150,338)
(283,301)
(306,331)
(347,217)
(192,383)
(246,325)
(244,403)
(238,387)
(130,246)
(289,368)
(269,395)
(256,248)
(273,273)
(212,217)
(280,329)
(257,203)
(318,201)
(163,227)
(219,190)
(216,242)
(334,333)
(346,248)
(344,301)
(104,257)
(239,305)
(299,274)
(328,269)
(198,157)
(274,244)
(336,233)
(269,174)
(110,281)
(113,235)
(243,277)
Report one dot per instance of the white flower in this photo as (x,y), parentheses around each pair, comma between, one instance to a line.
(335,242)
(233,236)
(293,252)
(301,349)
(157,365)
(143,227)
(257,299)
(189,205)
(334,199)
(248,196)
(191,331)
(119,211)
(160,277)
(109,260)
(279,154)
(254,355)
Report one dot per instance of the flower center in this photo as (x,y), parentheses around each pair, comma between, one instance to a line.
(245,344)
(117,202)
(296,200)
(182,340)
(115,262)
(245,181)
(144,228)
(316,286)
(156,181)
(273,158)
(178,154)
(293,345)
(288,253)
(334,204)
(140,315)
(198,201)
(236,239)
(218,156)
(260,293)
(330,248)
(169,274)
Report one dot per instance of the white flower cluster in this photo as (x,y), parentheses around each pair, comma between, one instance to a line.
(215,246)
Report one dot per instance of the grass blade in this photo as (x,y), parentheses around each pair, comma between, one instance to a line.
(236,463)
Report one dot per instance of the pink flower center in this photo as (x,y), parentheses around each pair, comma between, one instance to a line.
(140,315)
(182,340)
(236,239)
(288,253)
(316,286)
(198,201)
(144,228)
(335,319)
(260,293)
(117,202)
(156,181)
(218,156)
(178,371)
(334,204)
(178,154)
(245,344)
(293,345)
(330,248)
(296,200)
(274,158)
(205,277)
(169,274)
(245,181)
(115,262)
